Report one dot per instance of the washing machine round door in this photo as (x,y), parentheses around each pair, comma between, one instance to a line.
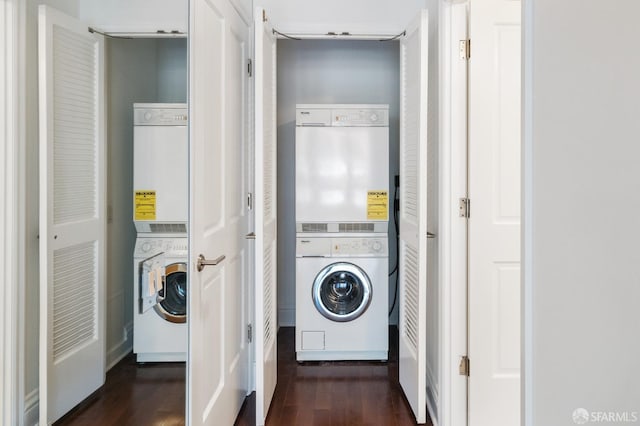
(342,292)
(173,307)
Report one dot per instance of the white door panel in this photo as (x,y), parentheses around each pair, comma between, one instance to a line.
(72,213)
(413,214)
(265,215)
(217,366)
(494,225)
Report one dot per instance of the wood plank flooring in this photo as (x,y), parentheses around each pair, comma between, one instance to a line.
(334,393)
(309,394)
(140,395)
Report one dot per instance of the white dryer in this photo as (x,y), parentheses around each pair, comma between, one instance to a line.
(160,299)
(342,168)
(341,298)
(160,168)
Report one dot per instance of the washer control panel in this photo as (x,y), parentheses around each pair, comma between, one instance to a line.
(359,246)
(146,247)
(342,247)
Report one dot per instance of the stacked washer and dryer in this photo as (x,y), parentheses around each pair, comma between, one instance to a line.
(342,213)
(160,198)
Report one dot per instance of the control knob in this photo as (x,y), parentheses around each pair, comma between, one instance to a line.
(146,246)
(373,118)
(376,246)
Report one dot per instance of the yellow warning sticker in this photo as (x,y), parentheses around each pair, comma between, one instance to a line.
(144,205)
(377,205)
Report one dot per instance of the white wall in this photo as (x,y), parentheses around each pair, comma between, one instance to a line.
(354,16)
(11,207)
(327,71)
(582,195)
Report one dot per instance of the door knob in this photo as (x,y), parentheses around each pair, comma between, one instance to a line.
(251,236)
(202,262)
(431,235)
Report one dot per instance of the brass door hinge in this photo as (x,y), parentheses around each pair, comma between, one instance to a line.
(465,49)
(465,207)
(464,366)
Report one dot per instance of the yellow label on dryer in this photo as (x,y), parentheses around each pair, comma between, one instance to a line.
(377,205)
(144,205)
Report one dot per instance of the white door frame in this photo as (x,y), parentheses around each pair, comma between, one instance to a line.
(453,229)
(12,235)
(526,254)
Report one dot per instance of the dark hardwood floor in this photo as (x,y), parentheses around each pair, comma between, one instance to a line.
(334,393)
(135,395)
(308,394)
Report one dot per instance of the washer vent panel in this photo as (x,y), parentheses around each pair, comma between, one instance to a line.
(314,227)
(356,227)
(168,228)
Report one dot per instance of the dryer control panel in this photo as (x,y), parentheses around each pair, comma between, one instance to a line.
(160,114)
(342,115)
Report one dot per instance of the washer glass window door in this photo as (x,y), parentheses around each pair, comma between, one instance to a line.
(173,304)
(342,292)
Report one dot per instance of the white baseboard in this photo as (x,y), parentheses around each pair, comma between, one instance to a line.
(122,349)
(287,317)
(31,408)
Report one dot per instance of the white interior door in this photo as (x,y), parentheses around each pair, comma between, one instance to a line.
(72,213)
(494,225)
(217,367)
(413,213)
(265,215)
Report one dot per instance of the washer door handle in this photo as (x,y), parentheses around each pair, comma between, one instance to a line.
(202,262)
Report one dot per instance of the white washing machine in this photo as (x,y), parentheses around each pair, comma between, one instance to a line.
(160,298)
(341,298)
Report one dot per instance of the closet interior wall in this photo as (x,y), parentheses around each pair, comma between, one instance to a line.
(138,70)
(328,71)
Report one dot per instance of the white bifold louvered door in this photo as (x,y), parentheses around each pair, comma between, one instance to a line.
(265,215)
(413,214)
(72,213)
